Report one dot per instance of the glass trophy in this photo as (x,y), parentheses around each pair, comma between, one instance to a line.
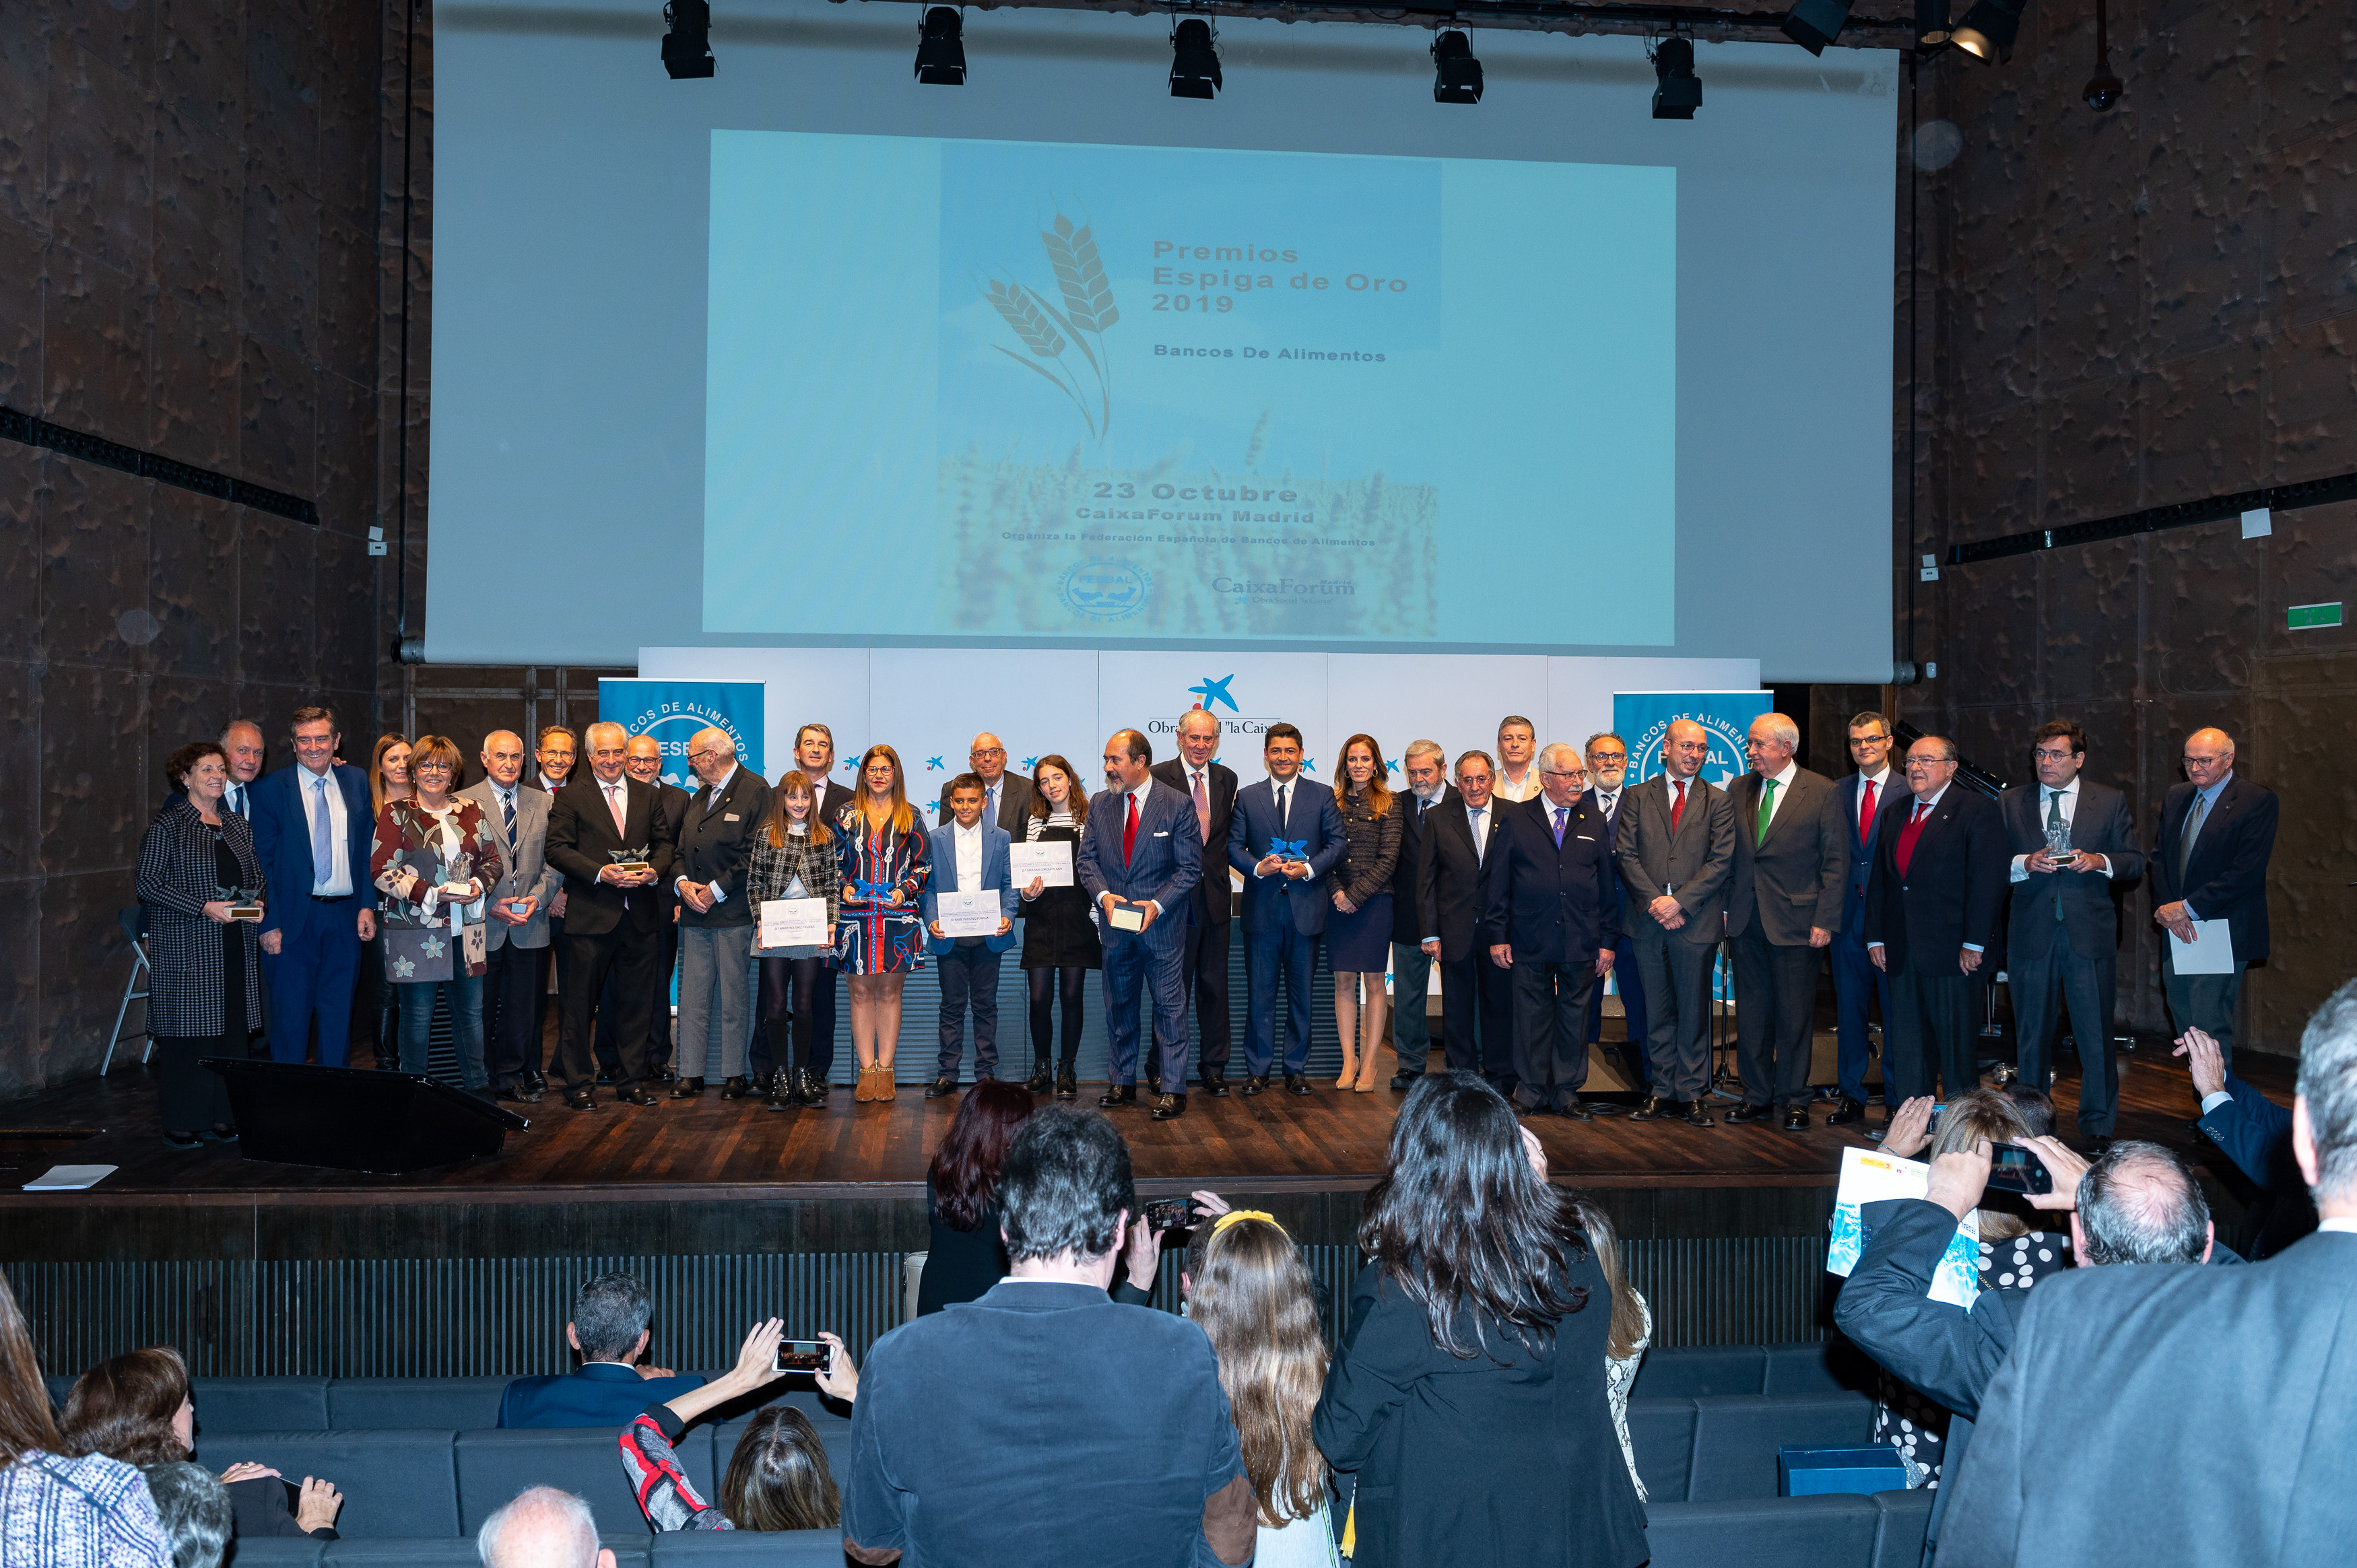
(2058,845)
(244,903)
(630,862)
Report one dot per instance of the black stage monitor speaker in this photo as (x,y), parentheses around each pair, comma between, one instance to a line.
(356,1119)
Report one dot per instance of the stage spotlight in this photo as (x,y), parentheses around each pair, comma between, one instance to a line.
(1814,23)
(1986,32)
(1679,92)
(687,46)
(940,48)
(1932,31)
(1457,75)
(1194,63)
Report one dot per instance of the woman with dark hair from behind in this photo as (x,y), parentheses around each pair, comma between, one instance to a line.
(1632,1324)
(56,1511)
(136,1408)
(1474,1368)
(965,1257)
(777,1479)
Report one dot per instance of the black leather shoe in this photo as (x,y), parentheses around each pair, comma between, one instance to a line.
(1169,1107)
(1574,1110)
(605,1078)
(1040,1081)
(580,1099)
(783,1095)
(635,1095)
(1796,1119)
(1153,1086)
(1403,1081)
(1696,1116)
(1118,1094)
(1257,1083)
(661,1074)
(737,1088)
(941,1089)
(1215,1084)
(1743,1113)
(685,1089)
(1296,1083)
(520,1096)
(1653,1110)
(1067,1086)
(536,1082)
(1848,1112)
(184,1140)
(810,1088)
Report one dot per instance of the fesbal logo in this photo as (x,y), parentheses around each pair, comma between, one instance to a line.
(1103,588)
(1725,763)
(674,724)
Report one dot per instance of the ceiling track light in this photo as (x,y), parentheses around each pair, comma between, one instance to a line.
(941,47)
(688,46)
(1194,61)
(1931,30)
(1814,23)
(1678,93)
(2103,89)
(1987,31)
(1457,75)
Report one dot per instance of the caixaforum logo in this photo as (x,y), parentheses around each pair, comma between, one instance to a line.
(1214,694)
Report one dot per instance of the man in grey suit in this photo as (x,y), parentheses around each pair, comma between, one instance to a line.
(1784,906)
(2062,937)
(716,917)
(516,926)
(2157,1416)
(1675,854)
(1006,797)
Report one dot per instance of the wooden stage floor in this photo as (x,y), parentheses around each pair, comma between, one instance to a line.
(1333,1142)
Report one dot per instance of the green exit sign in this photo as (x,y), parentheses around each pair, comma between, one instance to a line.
(2308,617)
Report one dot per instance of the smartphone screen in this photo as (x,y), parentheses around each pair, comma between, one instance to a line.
(803,1355)
(2013,1168)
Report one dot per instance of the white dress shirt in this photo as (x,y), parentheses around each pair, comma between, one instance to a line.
(1528,789)
(1608,801)
(1783,788)
(339,884)
(1481,819)
(968,844)
(2069,794)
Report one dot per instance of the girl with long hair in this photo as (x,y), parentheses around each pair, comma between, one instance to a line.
(883,862)
(66,1512)
(1474,1368)
(795,858)
(778,1478)
(388,771)
(966,1257)
(1059,932)
(1359,932)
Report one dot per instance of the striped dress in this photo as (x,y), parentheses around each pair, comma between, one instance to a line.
(872,934)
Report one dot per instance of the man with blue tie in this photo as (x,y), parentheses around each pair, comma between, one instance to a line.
(1550,916)
(1005,797)
(1857,979)
(1608,775)
(1141,855)
(1286,834)
(517,929)
(313,829)
(2217,834)
(240,740)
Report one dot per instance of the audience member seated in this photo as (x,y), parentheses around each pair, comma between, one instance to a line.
(2255,1133)
(1474,1368)
(137,1408)
(2014,1254)
(965,1257)
(610,1388)
(1633,1320)
(58,1511)
(777,1479)
(2172,1416)
(2137,1203)
(542,1528)
(193,1509)
(1045,1422)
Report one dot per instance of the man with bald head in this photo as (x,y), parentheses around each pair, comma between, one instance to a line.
(1675,852)
(716,917)
(515,916)
(2217,834)
(1005,797)
(604,820)
(541,1528)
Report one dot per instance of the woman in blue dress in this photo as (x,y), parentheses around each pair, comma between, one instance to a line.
(877,936)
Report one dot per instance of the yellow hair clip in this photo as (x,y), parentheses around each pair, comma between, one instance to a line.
(1233,1215)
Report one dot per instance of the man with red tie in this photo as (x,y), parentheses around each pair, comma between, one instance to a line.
(1932,901)
(1675,854)
(1141,855)
(1856,981)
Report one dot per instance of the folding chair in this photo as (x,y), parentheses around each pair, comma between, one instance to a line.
(133,921)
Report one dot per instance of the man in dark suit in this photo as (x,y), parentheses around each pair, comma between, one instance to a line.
(1784,906)
(1477,997)
(1608,780)
(313,829)
(2188,1415)
(611,922)
(1675,854)
(1006,797)
(1550,915)
(716,917)
(516,923)
(1286,833)
(2217,834)
(1857,981)
(609,1327)
(644,763)
(2063,933)
(1141,855)
(1931,906)
(1211,789)
(1425,765)
(554,753)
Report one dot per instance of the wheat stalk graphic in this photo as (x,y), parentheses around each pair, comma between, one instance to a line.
(1089,310)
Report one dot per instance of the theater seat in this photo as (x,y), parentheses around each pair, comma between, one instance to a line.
(1905,1518)
(1661,1433)
(394,1482)
(281,1552)
(259,1404)
(1694,1372)
(493,1467)
(460,1404)
(1835,1531)
(790,1549)
(1735,1439)
(1831,1367)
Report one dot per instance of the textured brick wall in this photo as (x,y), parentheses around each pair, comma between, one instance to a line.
(2129,309)
(191,207)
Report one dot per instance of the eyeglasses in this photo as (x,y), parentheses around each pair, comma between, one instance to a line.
(2044,756)
(987,751)
(1553,773)
(700,756)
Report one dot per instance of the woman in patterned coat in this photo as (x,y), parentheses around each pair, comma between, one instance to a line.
(205,985)
(427,946)
(885,858)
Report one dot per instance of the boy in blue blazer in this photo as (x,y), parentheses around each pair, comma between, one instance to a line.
(969,855)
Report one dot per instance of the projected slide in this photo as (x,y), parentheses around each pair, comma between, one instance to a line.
(966,389)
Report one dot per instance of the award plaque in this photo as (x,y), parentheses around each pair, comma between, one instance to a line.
(244,903)
(630,862)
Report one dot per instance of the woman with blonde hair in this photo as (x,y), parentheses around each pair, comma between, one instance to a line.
(879,939)
(795,858)
(1359,932)
(1249,1292)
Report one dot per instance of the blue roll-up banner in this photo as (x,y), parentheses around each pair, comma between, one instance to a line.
(672,711)
(1644,719)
